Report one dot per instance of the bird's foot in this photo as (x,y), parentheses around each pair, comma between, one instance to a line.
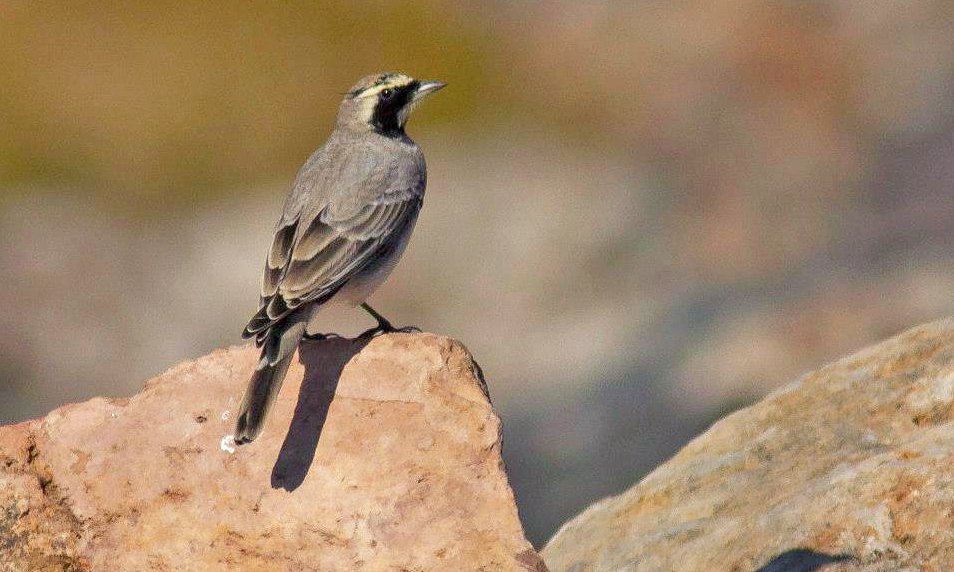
(385,327)
(319,337)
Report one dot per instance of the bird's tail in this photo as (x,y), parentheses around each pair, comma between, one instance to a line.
(277,353)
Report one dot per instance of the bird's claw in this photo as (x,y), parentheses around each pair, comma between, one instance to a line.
(320,337)
(387,328)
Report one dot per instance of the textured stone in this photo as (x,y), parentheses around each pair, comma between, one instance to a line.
(402,471)
(851,468)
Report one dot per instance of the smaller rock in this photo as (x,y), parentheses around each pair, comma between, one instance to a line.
(849,469)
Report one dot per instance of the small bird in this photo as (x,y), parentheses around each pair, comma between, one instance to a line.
(343,228)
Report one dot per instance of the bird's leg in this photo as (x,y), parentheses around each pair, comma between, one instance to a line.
(384,326)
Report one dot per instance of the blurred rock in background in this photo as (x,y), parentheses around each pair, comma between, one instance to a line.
(638,217)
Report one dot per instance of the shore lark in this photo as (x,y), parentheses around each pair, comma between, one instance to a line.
(343,228)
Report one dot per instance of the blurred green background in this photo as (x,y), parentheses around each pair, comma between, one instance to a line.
(639,216)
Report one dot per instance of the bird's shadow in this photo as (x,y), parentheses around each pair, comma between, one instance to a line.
(324,360)
(802,560)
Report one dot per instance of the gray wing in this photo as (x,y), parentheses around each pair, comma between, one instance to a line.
(312,256)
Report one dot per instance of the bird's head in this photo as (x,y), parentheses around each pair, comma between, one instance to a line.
(383,102)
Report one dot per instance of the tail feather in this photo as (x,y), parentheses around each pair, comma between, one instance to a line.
(266,381)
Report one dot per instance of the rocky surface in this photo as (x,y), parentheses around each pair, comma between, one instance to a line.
(851,468)
(400,471)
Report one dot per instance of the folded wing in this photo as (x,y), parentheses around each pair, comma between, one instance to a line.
(311,260)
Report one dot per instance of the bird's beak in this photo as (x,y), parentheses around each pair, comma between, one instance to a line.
(426,88)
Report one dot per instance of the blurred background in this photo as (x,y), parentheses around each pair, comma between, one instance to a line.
(640,216)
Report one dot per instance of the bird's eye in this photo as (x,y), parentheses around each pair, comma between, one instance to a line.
(386,94)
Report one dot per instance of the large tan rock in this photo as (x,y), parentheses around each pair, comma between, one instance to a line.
(401,472)
(850,468)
